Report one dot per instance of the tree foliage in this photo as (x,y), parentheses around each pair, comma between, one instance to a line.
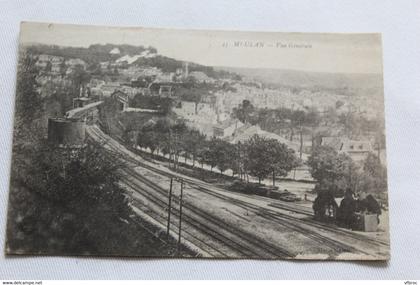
(76,205)
(337,172)
(259,156)
(373,178)
(28,100)
(268,156)
(245,112)
(65,201)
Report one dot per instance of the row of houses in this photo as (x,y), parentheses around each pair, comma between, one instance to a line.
(234,131)
(58,64)
(158,88)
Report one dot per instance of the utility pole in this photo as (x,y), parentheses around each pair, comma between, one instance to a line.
(169,209)
(176,151)
(180,217)
(301,141)
(239,161)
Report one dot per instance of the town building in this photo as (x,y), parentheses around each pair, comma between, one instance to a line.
(358,150)
(122,99)
(247,131)
(115,51)
(201,77)
(164,89)
(73,62)
(108,88)
(227,128)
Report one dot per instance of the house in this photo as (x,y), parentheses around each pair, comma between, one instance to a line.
(108,88)
(56,68)
(185,109)
(132,91)
(201,77)
(226,128)
(247,131)
(122,99)
(209,99)
(95,82)
(106,64)
(73,62)
(115,51)
(165,89)
(358,150)
(55,61)
(165,77)
(50,58)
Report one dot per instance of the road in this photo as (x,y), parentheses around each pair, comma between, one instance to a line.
(222,224)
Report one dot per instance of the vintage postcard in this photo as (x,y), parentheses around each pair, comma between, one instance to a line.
(198,144)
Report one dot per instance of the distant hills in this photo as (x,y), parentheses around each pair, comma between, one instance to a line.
(310,80)
(368,84)
(97,53)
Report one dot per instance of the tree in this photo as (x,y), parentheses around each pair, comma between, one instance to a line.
(69,202)
(149,138)
(48,66)
(177,133)
(268,156)
(245,112)
(79,78)
(28,127)
(192,94)
(257,158)
(203,153)
(373,178)
(63,68)
(28,100)
(236,159)
(333,171)
(193,142)
(222,153)
(339,104)
(210,153)
(283,159)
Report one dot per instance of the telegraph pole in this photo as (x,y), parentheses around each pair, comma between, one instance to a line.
(180,217)
(169,209)
(239,161)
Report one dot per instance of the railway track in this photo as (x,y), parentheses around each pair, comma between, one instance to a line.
(205,247)
(247,244)
(208,231)
(203,187)
(242,243)
(288,221)
(275,214)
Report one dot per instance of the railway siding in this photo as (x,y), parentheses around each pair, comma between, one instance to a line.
(263,231)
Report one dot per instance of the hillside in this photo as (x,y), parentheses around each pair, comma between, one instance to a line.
(97,53)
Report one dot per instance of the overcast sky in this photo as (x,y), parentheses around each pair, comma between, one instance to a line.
(344,53)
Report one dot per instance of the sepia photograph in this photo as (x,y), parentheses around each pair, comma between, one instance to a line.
(165,143)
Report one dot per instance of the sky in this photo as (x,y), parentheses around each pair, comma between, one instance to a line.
(316,52)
